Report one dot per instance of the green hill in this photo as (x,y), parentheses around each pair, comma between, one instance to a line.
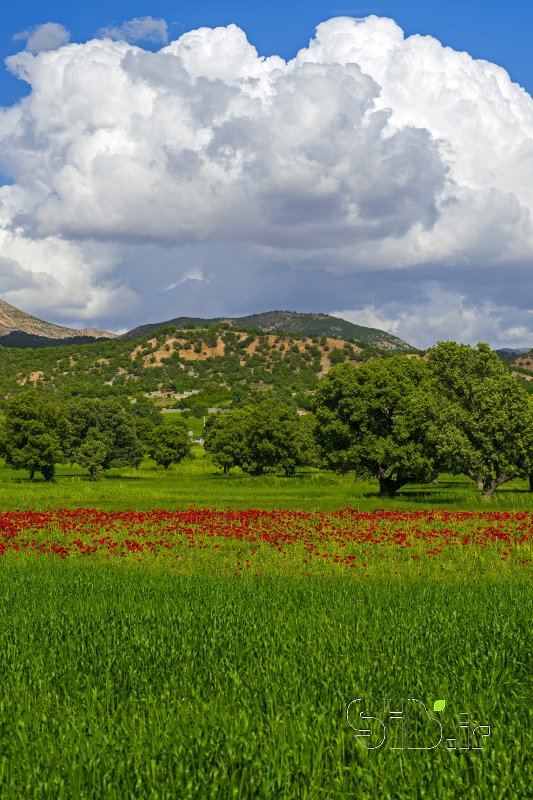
(288,322)
(219,365)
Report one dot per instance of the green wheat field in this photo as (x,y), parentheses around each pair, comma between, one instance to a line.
(131,680)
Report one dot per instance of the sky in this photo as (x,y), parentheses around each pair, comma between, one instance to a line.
(373,161)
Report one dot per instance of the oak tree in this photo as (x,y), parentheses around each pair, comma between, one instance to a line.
(33,433)
(368,422)
(477,415)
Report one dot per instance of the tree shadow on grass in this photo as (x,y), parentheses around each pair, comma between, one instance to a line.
(116,478)
(413,497)
(453,484)
(505,491)
(68,477)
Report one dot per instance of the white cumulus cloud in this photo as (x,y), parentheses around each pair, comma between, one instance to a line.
(204,140)
(367,154)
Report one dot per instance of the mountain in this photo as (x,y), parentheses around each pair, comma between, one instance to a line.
(514,351)
(510,354)
(520,362)
(311,325)
(201,367)
(18,329)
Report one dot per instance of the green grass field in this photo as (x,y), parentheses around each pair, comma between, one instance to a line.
(197,483)
(127,680)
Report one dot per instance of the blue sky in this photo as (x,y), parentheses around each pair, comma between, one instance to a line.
(380,175)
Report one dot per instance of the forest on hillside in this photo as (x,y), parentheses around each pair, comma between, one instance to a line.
(222,365)
(401,420)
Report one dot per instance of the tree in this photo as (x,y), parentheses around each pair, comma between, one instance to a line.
(170,444)
(109,423)
(33,432)
(145,428)
(147,419)
(257,439)
(92,454)
(223,439)
(477,415)
(306,437)
(197,408)
(270,439)
(368,422)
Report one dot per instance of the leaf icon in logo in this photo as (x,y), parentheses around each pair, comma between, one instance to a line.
(438,705)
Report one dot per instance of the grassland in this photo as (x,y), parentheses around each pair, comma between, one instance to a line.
(197,483)
(128,680)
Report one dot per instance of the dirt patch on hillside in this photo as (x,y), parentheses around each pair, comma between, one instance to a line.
(521,375)
(251,349)
(141,347)
(155,358)
(206,352)
(526,363)
(33,377)
(270,339)
(337,344)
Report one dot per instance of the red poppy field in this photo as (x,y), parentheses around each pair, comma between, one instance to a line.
(219,663)
(259,542)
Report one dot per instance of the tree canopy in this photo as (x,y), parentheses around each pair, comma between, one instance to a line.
(33,433)
(257,438)
(477,415)
(102,431)
(368,422)
(170,444)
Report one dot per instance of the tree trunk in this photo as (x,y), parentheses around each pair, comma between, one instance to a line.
(435,478)
(32,474)
(48,472)
(477,480)
(491,484)
(388,486)
(531,482)
(226,472)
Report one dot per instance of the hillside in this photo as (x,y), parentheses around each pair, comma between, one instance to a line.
(18,329)
(311,325)
(521,365)
(510,354)
(220,365)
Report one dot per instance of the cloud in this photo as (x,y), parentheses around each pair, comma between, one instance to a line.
(49,36)
(190,275)
(445,315)
(206,141)
(139,29)
(67,281)
(366,161)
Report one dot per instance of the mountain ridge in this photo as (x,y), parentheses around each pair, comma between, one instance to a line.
(15,325)
(295,322)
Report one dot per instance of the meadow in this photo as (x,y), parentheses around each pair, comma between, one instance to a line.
(197,483)
(176,633)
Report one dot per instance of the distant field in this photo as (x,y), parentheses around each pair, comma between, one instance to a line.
(193,423)
(197,483)
(214,655)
